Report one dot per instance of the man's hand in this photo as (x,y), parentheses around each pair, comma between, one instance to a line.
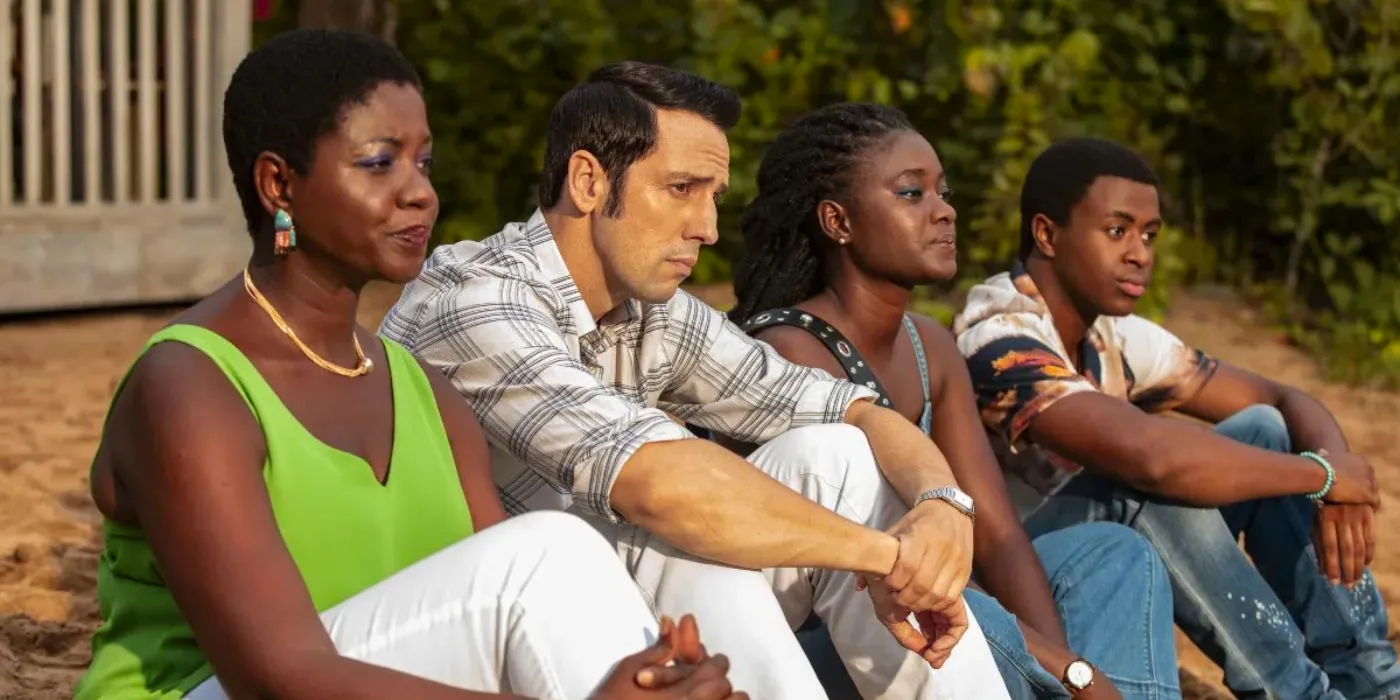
(1344,532)
(1345,539)
(939,629)
(1355,481)
(935,557)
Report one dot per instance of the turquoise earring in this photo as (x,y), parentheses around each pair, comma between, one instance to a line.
(286,238)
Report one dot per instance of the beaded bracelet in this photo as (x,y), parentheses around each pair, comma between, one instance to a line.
(1331,475)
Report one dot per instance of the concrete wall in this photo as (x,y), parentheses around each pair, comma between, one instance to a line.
(72,258)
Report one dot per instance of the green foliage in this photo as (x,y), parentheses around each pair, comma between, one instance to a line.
(1271,121)
(937,309)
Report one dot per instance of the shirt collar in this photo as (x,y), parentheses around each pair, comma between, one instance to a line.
(1093,336)
(1026,286)
(535,233)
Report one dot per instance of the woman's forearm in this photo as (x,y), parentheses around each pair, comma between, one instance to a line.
(908,460)
(1010,571)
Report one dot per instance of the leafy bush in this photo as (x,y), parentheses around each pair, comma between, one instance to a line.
(1271,121)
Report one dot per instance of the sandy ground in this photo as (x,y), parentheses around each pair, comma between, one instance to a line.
(57,375)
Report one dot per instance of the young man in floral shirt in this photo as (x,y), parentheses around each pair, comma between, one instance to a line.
(1068,382)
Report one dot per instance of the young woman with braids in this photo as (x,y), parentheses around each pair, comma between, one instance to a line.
(852,213)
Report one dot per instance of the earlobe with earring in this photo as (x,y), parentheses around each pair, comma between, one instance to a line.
(286,237)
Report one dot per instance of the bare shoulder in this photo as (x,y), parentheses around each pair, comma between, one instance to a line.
(175,375)
(153,439)
(800,346)
(937,338)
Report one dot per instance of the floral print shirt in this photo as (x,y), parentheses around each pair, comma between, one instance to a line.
(1019,368)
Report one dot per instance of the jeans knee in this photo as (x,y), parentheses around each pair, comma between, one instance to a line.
(1130,550)
(1107,550)
(1260,413)
(1259,425)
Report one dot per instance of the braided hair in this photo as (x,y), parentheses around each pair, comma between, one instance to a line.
(813,160)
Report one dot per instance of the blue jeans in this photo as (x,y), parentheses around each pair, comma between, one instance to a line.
(1113,596)
(1276,626)
(1112,593)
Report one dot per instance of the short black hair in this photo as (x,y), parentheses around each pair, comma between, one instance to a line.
(291,91)
(813,160)
(1060,176)
(612,115)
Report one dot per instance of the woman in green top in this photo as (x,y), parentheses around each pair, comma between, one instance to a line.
(290,503)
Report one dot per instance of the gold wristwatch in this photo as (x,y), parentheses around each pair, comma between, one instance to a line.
(1079,674)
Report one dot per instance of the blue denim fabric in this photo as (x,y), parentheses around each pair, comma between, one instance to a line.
(1276,626)
(1113,596)
(1114,600)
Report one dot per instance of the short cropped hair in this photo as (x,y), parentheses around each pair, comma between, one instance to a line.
(291,91)
(1060,176)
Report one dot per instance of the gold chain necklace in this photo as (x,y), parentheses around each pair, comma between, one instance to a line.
(365,364)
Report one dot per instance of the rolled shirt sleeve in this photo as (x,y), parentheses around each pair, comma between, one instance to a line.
(728,382)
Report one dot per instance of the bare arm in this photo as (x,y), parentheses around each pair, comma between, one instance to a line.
(1232,389)
(1345,535)
(195,480)
(470,452)
(1027,388)
(1002,553)
(1167,456)
(704,499)
(1171,457)
(910,461)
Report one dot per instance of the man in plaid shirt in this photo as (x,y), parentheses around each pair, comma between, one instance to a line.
(570,339)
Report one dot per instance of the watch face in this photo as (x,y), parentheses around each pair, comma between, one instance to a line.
(1079,674)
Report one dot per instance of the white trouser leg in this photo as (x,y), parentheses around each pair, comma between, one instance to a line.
(735,609)
(536,605)
(833,465)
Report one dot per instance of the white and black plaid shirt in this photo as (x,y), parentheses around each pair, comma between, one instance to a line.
(565,401)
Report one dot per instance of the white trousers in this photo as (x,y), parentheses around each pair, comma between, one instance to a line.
(751,615)
(535,606)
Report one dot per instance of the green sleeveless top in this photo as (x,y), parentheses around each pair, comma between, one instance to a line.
(345,531)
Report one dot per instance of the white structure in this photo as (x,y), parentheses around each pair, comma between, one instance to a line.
(113,184)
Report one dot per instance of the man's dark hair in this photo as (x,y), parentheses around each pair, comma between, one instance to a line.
(613,116)
(291,91)
(1060,176)
(813,160)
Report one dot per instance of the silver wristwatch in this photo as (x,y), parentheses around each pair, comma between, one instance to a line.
(953,495)
(1078,675)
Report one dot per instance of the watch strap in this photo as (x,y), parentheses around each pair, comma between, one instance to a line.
(949,495)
